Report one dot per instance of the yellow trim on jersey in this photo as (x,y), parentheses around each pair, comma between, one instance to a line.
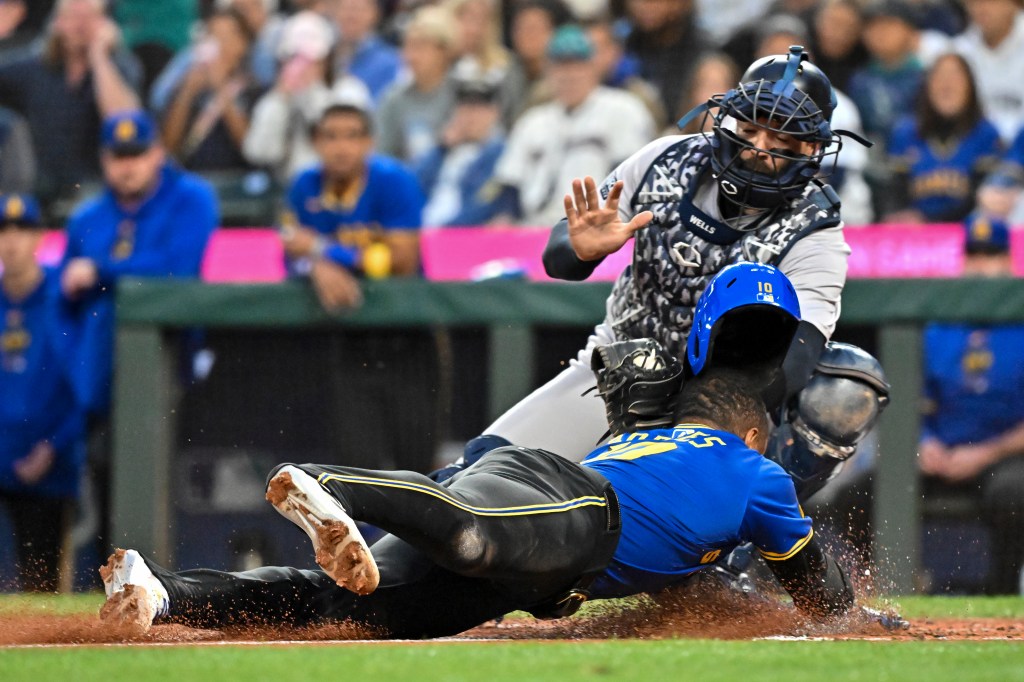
(525,510)
(777,556)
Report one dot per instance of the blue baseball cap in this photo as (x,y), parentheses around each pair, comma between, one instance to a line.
(128,133)
(986,235)
(570,43)
(19,209)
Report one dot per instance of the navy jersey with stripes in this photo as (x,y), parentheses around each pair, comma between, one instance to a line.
(687,496)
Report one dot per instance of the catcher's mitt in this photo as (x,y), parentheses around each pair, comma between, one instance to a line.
(639,381)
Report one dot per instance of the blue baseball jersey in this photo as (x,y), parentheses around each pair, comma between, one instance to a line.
(164,236)
(974,381)
(687,496)
(389,198)
(943,176)
(36,343)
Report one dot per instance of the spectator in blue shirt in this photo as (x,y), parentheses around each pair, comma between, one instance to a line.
(973,431)
(41,427)
(940,155)
(354,214)
(151,220)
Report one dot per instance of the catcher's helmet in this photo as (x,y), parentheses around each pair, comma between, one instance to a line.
(786,94)
(747,315)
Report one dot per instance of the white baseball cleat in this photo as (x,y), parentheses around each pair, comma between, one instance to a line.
(134,595)
(340,548)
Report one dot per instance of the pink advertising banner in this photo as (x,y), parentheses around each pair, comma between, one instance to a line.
(894,251)
(460,254)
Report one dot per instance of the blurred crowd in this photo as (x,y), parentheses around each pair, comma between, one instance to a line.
(492,108)
(351,125)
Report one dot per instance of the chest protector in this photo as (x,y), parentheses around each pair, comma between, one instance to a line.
(682,248)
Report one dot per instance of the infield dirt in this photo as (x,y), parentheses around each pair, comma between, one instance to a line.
(706,613)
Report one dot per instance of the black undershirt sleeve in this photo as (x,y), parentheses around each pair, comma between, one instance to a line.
(814,580)
(561,261)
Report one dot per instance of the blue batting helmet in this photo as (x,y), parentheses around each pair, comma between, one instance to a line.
(747,315)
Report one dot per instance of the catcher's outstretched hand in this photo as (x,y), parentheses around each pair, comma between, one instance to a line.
(594,230)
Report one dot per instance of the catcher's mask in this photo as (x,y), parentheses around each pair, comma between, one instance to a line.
(746,316)
(787,95)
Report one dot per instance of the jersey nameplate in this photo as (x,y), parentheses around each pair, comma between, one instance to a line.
(704,226)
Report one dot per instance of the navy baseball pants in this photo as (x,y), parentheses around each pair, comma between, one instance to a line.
(515,531)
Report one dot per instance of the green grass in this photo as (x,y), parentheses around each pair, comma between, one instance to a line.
(518,662)
(57,604)
(961,607)
(649,661)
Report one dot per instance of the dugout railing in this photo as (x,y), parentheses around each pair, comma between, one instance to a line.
(145,394)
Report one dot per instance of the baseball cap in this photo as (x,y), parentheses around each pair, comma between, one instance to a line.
(986,235)
(128,133)
(306,34)
(19,209)
(892,9)
(570,43)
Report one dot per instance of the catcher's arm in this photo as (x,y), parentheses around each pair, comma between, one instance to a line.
(639,381)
